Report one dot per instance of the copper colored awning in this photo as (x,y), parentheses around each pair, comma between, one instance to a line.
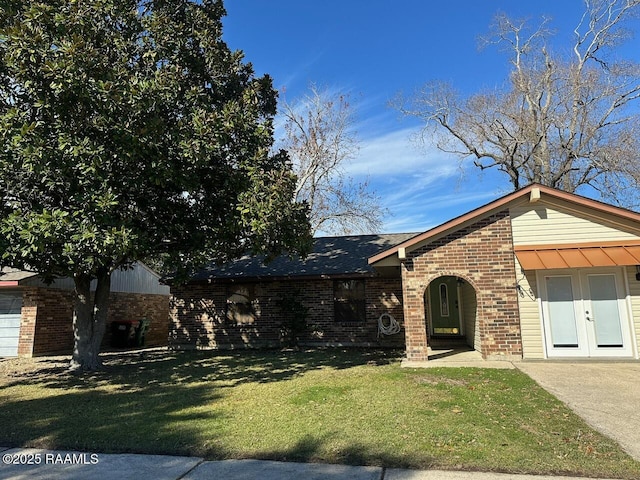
(601,254)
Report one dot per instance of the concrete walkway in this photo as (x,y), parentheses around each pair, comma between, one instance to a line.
(605,394)
(63,465)
(456,357)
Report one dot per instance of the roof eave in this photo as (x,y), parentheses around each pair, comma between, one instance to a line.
(453,223)
(276,278)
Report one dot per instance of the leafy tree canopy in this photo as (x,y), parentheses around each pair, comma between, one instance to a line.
(129,130)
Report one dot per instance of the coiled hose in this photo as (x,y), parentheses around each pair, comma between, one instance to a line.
(390,328)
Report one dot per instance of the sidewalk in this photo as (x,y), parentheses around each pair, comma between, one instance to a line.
(64,465)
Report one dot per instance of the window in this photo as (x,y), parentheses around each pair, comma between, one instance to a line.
(349,301)
(444,300)
(240,304)
(10,302)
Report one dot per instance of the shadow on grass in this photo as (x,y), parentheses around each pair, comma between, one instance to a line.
(107,421)
(312,449)
(147,401)
(159,366)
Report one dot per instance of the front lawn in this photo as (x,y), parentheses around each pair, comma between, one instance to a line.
(332,406)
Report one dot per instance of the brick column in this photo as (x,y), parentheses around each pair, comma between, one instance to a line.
(415,328)
(28,315)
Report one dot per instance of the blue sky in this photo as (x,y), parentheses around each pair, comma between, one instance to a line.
(374,49)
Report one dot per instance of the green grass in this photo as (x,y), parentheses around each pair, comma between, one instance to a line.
(333,406)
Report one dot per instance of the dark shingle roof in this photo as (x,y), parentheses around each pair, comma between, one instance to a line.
(330,256)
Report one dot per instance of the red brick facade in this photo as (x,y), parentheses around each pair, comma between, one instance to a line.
(199,320)
(47,313)
(482,255)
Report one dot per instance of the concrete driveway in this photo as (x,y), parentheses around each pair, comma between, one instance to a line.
(605,395)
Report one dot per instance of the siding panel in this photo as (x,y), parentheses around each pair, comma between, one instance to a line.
(469,315)
(138,279)
(544,223)
(556,222)
(530,325)
(634,291)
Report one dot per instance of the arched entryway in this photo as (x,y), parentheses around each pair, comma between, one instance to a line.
(450,305)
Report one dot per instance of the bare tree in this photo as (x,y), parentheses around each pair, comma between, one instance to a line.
(320,139)
(562,120)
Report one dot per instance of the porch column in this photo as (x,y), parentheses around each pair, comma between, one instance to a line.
(415,327)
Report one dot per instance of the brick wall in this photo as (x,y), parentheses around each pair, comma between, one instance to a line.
(134,306)
(28,321)
(198,314)
(47,319)
(482,255)
(54,330)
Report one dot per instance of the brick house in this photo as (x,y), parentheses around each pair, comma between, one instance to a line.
(536,274)
(241,304)
(36,318)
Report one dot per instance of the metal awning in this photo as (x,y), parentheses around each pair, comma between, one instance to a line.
(601,254)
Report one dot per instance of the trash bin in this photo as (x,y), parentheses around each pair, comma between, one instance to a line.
(141,330)
(121,333)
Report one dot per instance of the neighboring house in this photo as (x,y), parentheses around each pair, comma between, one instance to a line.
(538,273)
(36,318)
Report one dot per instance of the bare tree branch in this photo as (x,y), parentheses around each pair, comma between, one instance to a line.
(320,138)
(562,120)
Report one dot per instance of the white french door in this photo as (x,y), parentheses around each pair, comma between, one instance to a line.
(585,313)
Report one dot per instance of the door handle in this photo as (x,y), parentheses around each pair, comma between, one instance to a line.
(588,317)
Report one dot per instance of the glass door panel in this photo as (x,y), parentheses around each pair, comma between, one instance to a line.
(585,313)
(605,313)
(562,314)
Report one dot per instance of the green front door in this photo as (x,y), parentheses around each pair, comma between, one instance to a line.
(444,307)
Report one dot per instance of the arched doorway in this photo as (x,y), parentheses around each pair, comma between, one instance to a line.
(450,311)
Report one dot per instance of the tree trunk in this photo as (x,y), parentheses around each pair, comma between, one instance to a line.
(89,321)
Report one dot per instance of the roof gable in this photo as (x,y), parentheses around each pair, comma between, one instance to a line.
(531,193)
(555,221)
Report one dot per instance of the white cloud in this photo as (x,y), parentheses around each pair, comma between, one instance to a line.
(433,207)
(420,187)
(394,153)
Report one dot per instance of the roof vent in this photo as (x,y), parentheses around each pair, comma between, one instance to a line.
(534,196)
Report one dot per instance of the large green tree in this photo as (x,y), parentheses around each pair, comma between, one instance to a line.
(129,130)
